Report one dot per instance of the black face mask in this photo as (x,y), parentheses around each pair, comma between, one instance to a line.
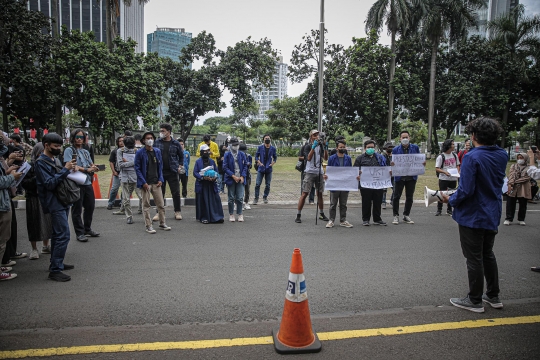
(341,151)
(267,141)
(205,155)
(55,152)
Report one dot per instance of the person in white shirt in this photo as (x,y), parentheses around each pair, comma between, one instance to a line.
(445,161)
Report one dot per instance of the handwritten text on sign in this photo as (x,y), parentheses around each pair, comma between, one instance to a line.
(408,164)
(375,177)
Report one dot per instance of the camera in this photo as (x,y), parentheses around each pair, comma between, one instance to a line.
(322,137)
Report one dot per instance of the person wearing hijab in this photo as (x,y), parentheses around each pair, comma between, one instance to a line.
(235,171)
(38,224)
(519,189)
(208,208)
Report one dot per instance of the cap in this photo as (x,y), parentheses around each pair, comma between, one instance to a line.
(314,131)
(205,147)
(234,141)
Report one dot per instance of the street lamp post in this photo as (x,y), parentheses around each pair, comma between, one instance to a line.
(321,65)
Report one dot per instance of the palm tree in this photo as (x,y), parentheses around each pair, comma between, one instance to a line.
(395,14)
(519,34)
(439,20)
(112,12)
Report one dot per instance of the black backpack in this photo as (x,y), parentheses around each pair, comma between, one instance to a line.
(442,164)
(67,191)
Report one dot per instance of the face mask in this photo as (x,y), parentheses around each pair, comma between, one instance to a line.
(267,141)
(205,155)
(149,142)
(161,135)
(370,151)
(235,148)
(341,151)
(405,141)
(521,162)
(55,152)
(389,151)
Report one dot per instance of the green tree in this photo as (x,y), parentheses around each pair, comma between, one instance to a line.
(395,14)
(288,119)
(215,122)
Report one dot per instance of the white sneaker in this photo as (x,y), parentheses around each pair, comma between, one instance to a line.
(34,254)
(396,220)
(507,222)
(247,207)
(231,218)
(156,217)
(522,223)
(240,218)
(178,215)
(346,224)
(330,224)
(407,220)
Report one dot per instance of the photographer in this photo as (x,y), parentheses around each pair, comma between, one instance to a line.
(302,156)
(314,174)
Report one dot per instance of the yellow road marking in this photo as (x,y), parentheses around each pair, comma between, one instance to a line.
(265,340)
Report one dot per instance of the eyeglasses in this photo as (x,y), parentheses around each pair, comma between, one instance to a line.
(79,137)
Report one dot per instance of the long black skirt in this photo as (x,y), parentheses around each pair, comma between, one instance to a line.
(208,204)
(38,224)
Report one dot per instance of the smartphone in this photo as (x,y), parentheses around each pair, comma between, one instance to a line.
(534,148)
(74,157)
(101,167)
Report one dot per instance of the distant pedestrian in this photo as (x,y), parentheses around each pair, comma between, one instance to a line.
(265,158)
(302,156)
(128,176)
(184,169)
(82,223)
(249,159)
(371,198)
(149,169)
(387,153)
(462,153)
(235,170)
(519,189)
(49,174)
(115,186)
(445,161)
(208,208)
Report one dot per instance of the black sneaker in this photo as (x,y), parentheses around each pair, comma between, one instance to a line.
(130,220)
(92,233)
(323,217)
(109,207)
(59,276)
(298,220)
(449,212)
(69,267)
(438,213)
(494,301)
(365,223)
(82,238)
(380,222)
(265,200)
(467,304)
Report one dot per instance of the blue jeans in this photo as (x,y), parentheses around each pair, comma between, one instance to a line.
(59,239)
(258,182)
(236,195)
(114,189)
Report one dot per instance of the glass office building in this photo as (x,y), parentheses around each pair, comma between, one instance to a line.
(278,90)
(90,15)
(491,11)
(168,42)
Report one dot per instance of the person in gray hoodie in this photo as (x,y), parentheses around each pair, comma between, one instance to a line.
(125,157)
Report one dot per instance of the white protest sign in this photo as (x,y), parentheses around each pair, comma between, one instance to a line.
(341,178)
(375,177)
(454,172)
(408,164)
(505,186)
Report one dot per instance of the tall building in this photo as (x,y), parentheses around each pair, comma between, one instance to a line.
(90,15)
(278,90)
(491,11)
(168,42)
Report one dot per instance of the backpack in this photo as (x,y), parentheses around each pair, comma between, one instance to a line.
(442,164)
(67,192)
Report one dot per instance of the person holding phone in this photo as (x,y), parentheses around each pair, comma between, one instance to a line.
(82,223)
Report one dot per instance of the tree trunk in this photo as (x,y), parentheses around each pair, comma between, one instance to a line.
(431,108)
(391,87)
(5,122)
(504,122)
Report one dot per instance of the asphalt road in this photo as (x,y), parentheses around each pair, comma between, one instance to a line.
(200,282)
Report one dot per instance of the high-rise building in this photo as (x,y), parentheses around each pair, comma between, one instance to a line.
(491,11)
(278,90)
(90,15)
(168,42)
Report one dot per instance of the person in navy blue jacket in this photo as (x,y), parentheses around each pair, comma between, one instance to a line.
(404,182)
(265,158)
(235,169)
(208,208)
(339,159)
(371,198)
(48,177)
(149,169)
(249,161)
(477,210)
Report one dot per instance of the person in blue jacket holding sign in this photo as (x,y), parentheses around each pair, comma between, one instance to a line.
(265,158)
(404,182)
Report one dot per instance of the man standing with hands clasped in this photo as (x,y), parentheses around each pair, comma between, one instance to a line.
(477,210)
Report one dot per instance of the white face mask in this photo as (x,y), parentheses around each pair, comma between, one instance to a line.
(235,148)
(149,142)
(521,161)
(405,141)
(161,135)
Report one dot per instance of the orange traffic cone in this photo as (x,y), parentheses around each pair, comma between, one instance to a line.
(95,186)
(295,334)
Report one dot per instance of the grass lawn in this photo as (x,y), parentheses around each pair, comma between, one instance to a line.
(285,180)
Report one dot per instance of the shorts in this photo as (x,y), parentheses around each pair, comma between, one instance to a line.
(310,180)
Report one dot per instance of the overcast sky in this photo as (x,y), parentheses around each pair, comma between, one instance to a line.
(284,22)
